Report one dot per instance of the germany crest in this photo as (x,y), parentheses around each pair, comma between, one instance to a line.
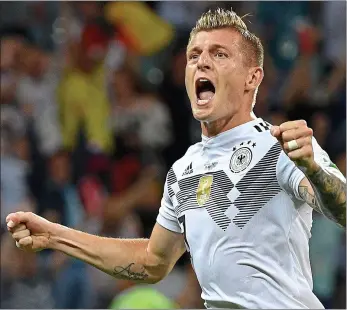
(204,189)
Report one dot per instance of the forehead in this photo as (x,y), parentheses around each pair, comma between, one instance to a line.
(226,37)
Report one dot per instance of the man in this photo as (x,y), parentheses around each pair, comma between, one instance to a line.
(237,200)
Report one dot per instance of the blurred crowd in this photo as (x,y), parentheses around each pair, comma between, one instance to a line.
(94,112)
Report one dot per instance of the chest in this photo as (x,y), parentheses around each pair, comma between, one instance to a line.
(229,188)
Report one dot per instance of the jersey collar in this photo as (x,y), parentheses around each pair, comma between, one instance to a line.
(231,134)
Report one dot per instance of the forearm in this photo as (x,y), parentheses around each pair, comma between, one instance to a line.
(122,258)
(328,196)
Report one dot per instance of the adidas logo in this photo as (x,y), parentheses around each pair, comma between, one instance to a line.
(188,170)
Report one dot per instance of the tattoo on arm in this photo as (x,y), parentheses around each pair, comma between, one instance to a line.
(311,199)
(128,273)
(329,196)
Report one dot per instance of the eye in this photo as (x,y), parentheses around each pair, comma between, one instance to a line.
(221,55)
(193,56)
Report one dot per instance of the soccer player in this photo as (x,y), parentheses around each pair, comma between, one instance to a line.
(240,201)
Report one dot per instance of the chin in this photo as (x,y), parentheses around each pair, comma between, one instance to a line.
(203,113)
(203,116)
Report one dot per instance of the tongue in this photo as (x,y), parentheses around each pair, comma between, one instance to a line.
(205,95)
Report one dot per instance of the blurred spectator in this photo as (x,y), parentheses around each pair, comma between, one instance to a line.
(321,126)
(324,255)
(142,128)
(140,113)
(15,194)
(173,92)
(24,281)
(291,46)
(61,197)
(36,96)
(61,204)
(334,31)
(43,16)
(84,104)
(334,52)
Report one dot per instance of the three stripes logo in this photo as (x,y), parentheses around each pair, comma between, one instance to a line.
(188,170)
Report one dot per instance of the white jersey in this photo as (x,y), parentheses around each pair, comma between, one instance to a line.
(235,197)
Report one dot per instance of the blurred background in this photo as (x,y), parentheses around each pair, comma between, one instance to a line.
(94,112)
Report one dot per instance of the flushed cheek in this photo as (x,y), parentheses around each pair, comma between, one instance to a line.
(190,92)
(189,87)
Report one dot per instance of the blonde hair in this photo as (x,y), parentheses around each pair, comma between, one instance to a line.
(220,18)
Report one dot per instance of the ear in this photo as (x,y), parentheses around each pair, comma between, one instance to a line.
(254,78)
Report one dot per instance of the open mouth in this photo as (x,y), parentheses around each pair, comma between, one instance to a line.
(205,90)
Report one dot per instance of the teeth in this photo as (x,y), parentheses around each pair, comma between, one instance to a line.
(204,101)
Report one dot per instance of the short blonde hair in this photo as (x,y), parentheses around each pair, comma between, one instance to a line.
(221,18)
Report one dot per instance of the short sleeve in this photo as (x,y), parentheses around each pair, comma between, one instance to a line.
(289,175)
(167,217)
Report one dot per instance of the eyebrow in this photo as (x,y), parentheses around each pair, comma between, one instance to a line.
(213,47)
(193,49)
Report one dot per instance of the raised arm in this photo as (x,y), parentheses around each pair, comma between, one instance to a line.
(325,192)
(140,260)
(324,187)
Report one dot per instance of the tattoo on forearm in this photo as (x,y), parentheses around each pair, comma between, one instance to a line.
(329,197)
(128,273)
(309,198)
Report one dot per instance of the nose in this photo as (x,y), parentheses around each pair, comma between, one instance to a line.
(204,62)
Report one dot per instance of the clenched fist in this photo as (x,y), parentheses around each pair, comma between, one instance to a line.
(31,232)
(296,141)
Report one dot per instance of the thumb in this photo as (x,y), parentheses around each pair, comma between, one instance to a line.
(13,219)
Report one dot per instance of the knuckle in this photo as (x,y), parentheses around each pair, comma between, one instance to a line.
(284,125)
(16,235)
(304,141)
(309,131)
(21,234)
(19,227)
(25,233)
(285,136)
(302,122)
(307,149)
(23,241)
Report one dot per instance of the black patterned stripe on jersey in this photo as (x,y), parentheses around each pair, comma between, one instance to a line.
(216,204)
(171,179)
(219,201)
(257,187)
(187,188)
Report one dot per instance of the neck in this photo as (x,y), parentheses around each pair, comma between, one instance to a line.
(210,129)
